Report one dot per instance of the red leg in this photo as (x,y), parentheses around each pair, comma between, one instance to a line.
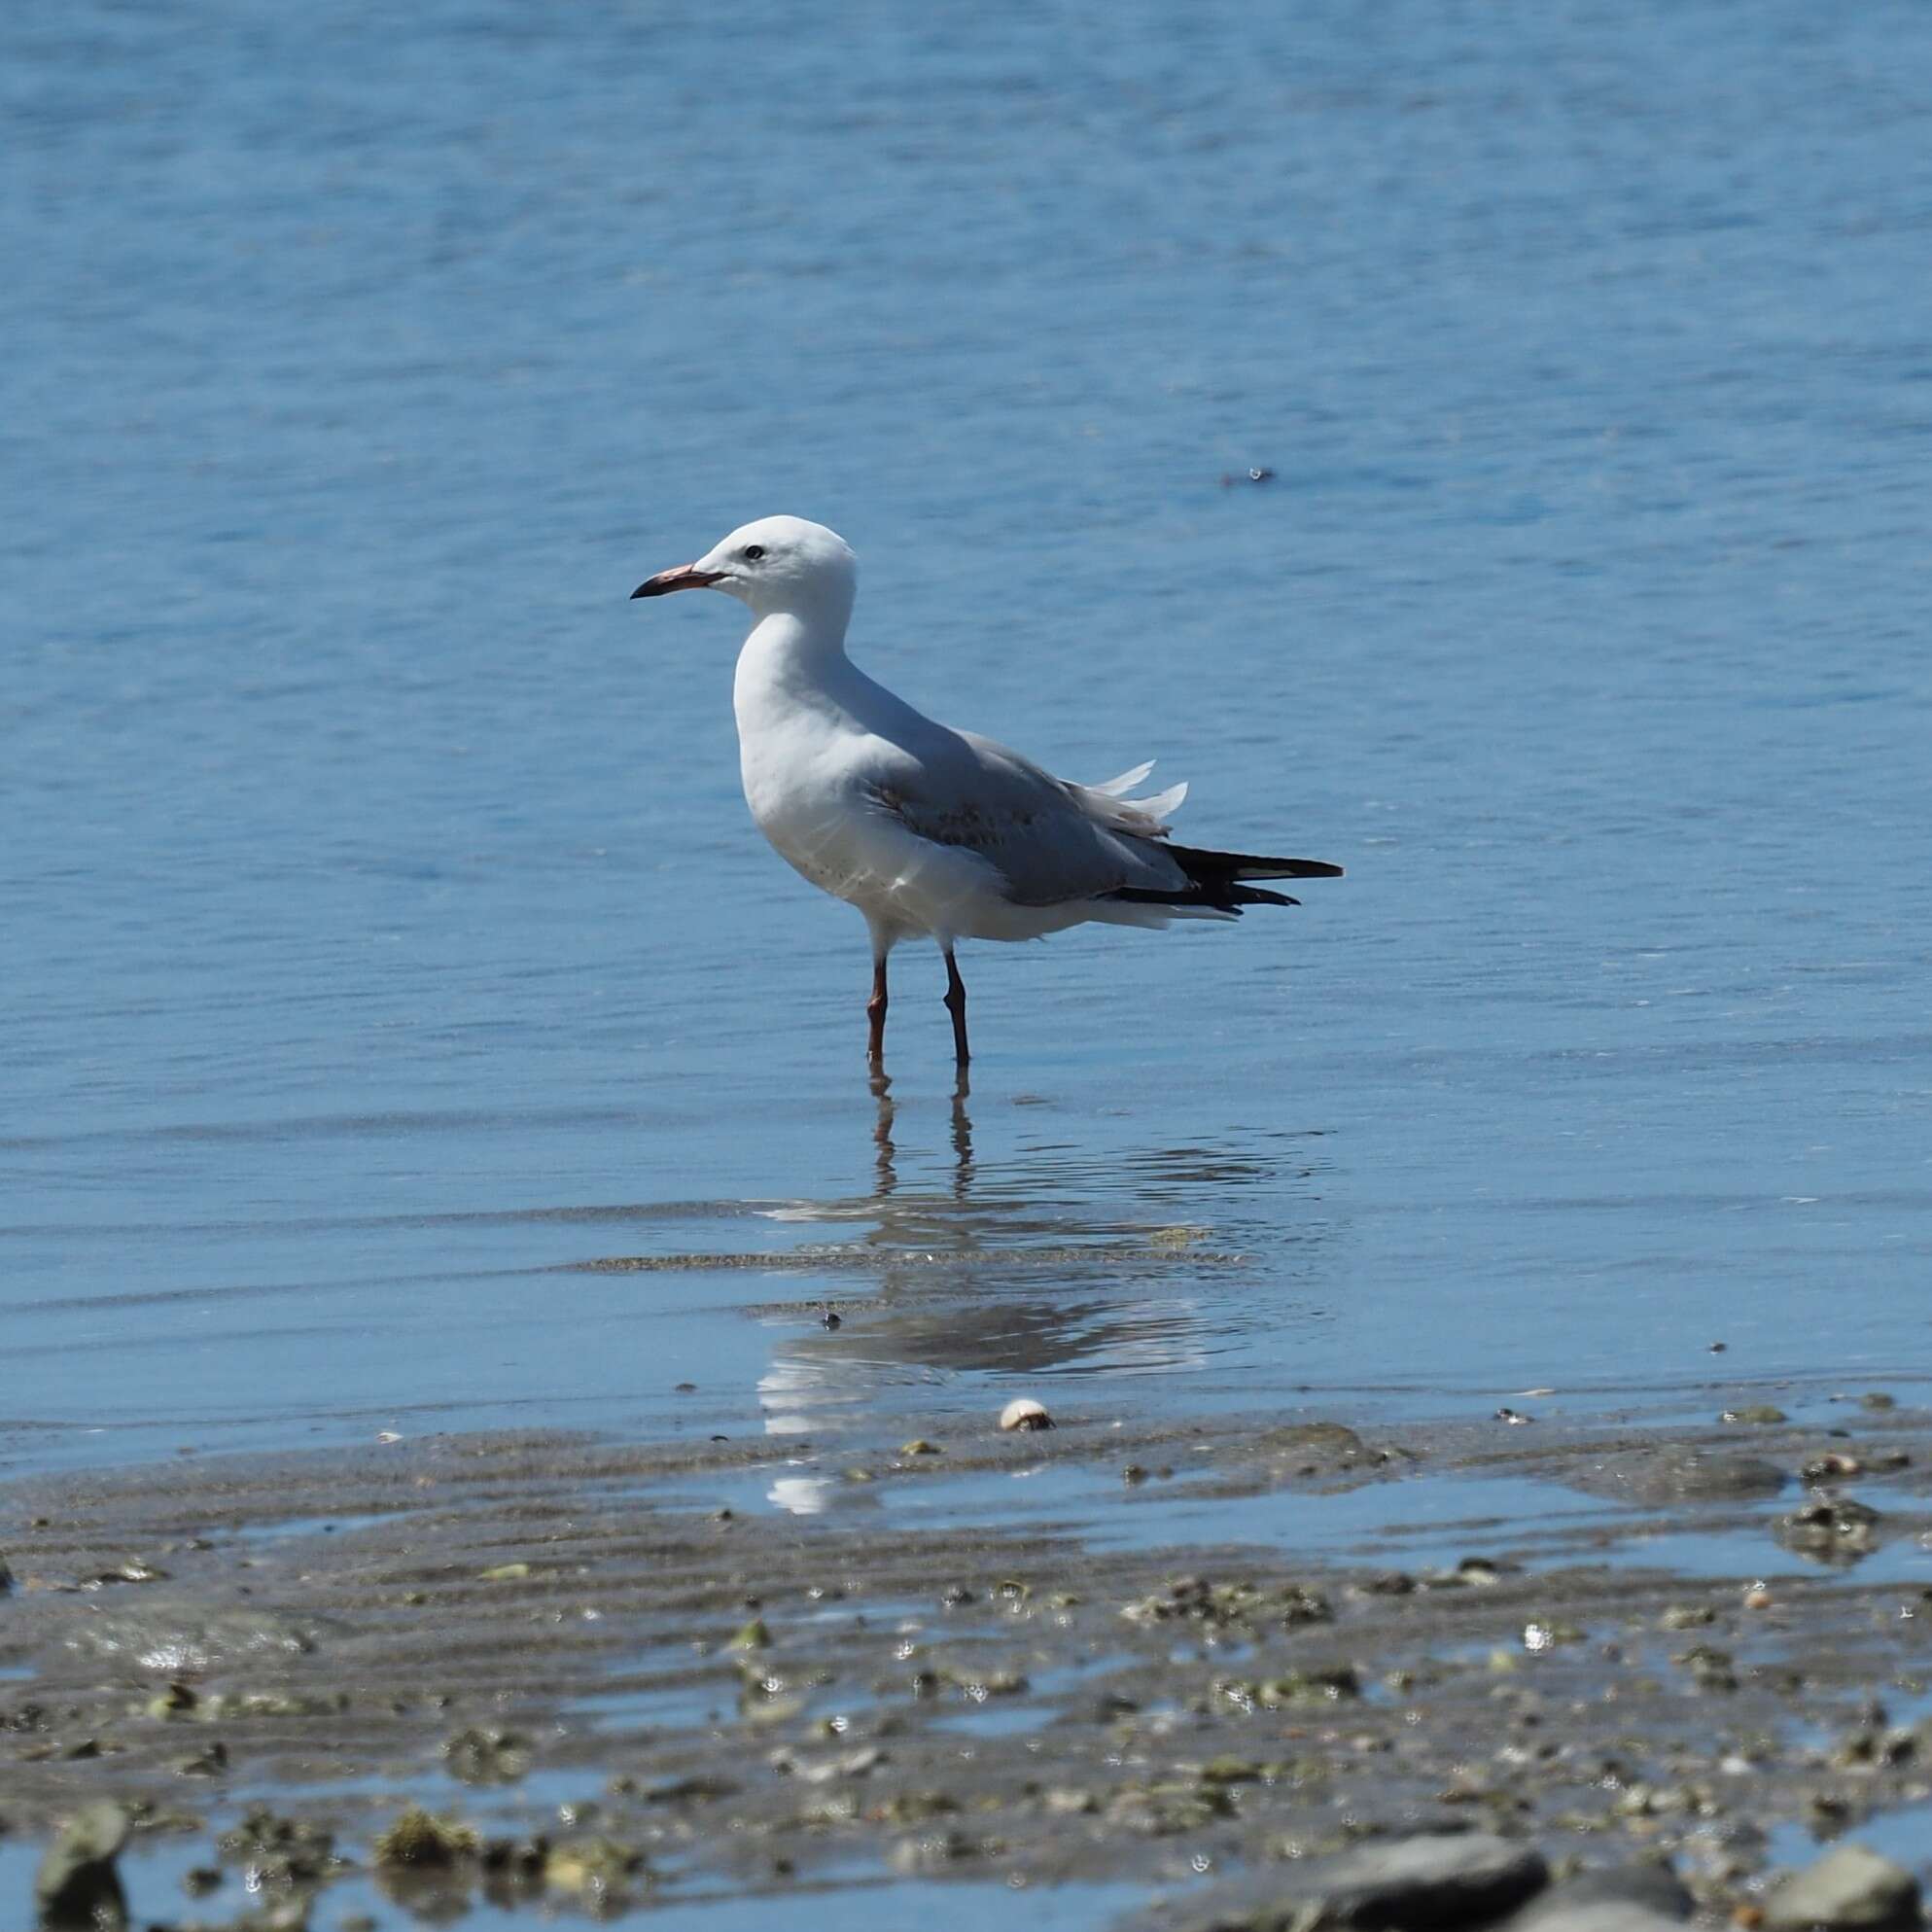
(875,1010)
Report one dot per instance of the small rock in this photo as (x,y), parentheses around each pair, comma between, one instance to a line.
(1710,1669)
(1833,1529)
(913,1856)
(919,1445)
(1024,1413)
(1849,1887)
(594,1869)
(1293,1689)
(1762,1413)
(1069,1801)
(1231,1605)
(178,1699)
(482,1755)
(1686,1617)
(77,1884)
(276,1852)
(1834,1466)
(686,1790)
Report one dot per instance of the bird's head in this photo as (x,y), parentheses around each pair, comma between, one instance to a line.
(777,564)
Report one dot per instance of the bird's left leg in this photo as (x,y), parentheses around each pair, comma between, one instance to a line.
(956,1005)
(875,1007)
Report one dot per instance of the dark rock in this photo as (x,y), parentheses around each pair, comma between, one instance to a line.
(1833,1529)
(1849,1887)
(1231,1605)
(77,1885)
(1438,1879)
(277,1851)
(1627,1898)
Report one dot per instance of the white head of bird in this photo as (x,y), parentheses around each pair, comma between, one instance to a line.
(777,565)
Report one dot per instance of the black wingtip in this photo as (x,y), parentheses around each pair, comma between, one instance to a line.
(1221,897)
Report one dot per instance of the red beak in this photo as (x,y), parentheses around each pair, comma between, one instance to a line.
(687,577)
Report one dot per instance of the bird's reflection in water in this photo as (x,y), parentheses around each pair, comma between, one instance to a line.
(1052,1259)
(888,1152)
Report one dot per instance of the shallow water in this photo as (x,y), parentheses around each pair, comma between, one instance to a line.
(384,932)
(866,1899)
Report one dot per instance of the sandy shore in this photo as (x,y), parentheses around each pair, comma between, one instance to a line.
(615,1691)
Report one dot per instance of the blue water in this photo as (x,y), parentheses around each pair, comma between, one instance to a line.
(375,899)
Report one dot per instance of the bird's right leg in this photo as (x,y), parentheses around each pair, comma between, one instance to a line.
(955,1004)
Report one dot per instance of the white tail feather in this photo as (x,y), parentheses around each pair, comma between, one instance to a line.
(1144,818)
(1119,788)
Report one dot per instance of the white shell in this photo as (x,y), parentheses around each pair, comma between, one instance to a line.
(1024,1413)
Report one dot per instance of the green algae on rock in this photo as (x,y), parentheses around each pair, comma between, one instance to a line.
(422,1839)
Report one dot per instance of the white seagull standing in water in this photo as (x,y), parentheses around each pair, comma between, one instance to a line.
(922,828)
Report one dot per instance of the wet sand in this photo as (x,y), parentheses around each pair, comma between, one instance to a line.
(621,1692)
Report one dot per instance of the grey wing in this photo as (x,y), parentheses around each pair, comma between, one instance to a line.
(1051,842)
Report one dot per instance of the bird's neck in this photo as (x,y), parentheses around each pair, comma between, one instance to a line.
(795,652)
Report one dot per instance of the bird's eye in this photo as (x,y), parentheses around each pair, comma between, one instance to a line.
(753,553)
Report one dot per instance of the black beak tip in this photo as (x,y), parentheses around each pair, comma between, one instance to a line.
(642,590)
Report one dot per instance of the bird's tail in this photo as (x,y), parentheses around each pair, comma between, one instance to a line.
(1215,880)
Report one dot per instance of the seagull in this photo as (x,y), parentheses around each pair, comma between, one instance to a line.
(924,828)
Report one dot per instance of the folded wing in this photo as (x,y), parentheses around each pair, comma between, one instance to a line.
(1054,843)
